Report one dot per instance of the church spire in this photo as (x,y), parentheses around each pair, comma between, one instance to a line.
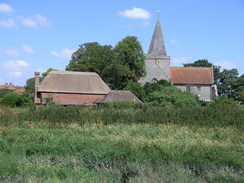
(157,48)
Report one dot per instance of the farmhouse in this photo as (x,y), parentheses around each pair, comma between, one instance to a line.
(197,80)
(77,88)
(67,87)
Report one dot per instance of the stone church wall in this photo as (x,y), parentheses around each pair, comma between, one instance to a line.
(203,91)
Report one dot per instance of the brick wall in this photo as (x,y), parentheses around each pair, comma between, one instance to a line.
(70,98)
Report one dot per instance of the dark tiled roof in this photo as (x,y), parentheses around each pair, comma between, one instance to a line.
(191,75)
(118,96)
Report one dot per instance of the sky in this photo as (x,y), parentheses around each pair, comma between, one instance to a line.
(39,34)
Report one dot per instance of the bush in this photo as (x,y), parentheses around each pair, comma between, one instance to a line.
(136,89)
(26,99)
(119,105)
(4,92)
(11,99)
(170,95)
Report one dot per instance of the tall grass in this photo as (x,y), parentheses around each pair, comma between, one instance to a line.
(121,153)
(198,116)
(113,144)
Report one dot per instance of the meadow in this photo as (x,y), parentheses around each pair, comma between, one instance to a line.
(113,144)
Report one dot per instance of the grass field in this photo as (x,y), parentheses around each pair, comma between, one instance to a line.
(95,151)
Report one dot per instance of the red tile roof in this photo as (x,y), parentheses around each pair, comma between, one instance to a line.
(191,75)
(17,89)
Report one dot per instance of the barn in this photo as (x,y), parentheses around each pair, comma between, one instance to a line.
(68,87)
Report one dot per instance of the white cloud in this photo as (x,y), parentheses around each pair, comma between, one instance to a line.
(16,65)
(15,74)
(34,22)
(28,22)
(181,60)
(172,41)
(41,20)
(136,13)
(225,64)
(28,49)
(6,8)
(65,53)
(9,23)
(12,51)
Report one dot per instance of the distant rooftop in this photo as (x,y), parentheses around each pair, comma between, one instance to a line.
(191,75)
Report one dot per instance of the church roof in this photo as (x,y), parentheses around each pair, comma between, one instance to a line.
(118,96)
(73,82)
(157,48)
(191,75)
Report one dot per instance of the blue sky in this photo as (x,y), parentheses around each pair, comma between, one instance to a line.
(39,34)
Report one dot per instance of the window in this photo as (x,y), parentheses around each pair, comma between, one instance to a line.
(198,88)
(154,80)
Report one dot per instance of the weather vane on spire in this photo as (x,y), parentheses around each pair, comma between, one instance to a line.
(158,12)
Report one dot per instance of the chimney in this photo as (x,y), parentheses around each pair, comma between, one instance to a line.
(37,84)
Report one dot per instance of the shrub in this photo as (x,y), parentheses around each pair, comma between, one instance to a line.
(4,92)
(170,95)
(136,89)
(119,105)
(26,99)
(11,99)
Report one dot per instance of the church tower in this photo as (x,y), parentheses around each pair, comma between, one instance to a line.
(157,62)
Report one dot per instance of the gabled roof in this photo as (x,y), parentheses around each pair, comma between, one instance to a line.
(118,96)
(73,82)
(191,75)
(157,48)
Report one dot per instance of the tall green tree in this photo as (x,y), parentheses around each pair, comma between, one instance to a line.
(239,89)
(227,81)
(91,57)
(30,85)
(115,66)
(130,53)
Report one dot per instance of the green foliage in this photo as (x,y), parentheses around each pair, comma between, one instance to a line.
(26,99)
(91,57)
(121,153)
(164,94)
(115,66)
(44,74)
(152,87)
(227,81)
(228,78)
(130,54)
(49,100)
(119,105)
(11,99)
(30,85)
(4,92)
(137,89)
(209,116)
(238,88)
(170,95)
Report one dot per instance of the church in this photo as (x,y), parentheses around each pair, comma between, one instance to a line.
(197,80)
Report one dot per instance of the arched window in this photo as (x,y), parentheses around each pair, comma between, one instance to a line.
(154,80)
